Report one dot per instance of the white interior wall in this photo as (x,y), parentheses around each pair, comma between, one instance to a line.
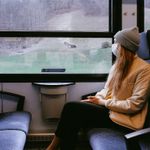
(32,101)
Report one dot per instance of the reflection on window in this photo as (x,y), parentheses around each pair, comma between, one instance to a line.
(147,15)
(76,55)
(52,15)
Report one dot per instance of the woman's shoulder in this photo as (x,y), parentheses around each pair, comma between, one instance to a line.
(140,66)
(141,62)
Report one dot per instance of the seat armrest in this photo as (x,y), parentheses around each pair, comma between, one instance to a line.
(19,99)
(138,133)
(90,94)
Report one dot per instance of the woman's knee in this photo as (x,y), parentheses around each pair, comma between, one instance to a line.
(70,109)
(74,108)
(71,105)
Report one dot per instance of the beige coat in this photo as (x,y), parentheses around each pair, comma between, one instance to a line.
(129,107)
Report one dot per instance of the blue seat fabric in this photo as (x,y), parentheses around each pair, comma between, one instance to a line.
(12,140)
(15,121)
(106,139)
(14,127)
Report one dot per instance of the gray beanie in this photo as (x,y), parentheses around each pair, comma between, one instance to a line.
(129,38)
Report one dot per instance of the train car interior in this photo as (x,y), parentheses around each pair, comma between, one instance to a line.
(54,52)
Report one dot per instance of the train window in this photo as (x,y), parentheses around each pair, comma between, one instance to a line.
(89,15)
(42,34)
(147,15)
(76,55)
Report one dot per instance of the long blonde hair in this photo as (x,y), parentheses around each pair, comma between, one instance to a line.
(122,65)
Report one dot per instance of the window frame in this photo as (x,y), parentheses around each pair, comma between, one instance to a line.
(140,15)
(115,24)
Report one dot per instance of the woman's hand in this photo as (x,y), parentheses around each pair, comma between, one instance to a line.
(95,100)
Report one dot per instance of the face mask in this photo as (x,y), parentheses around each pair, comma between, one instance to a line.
(115,49)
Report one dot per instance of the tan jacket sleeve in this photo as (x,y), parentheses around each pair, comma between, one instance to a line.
(138,98)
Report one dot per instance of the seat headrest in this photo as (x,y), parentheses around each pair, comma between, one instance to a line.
(144,50)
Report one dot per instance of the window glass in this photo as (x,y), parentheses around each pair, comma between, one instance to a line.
(52,15)
(147,15)
(76,55)
(88,54)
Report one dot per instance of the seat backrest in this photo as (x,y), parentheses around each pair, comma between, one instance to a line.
(144,53)
(144,48)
